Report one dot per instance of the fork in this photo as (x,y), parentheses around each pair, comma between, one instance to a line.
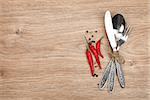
(124,38)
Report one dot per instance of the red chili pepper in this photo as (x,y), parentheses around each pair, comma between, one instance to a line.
(98,47)
(90,61)
(93,50)
(89,58)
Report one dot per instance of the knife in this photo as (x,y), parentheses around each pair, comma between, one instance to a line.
(109,30)
(105,75)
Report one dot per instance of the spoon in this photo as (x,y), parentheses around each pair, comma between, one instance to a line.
(120,28)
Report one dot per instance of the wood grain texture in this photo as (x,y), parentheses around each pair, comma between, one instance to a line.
(42,53)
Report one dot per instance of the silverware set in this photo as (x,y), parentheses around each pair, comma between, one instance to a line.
(112,69)
(117,33)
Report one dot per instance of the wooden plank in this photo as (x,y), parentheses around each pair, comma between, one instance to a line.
(42,53)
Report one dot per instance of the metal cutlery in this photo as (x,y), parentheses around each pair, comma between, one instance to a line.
(120,74)
(111,77)
(124,38)
(121,29)
(117,32)
(105,75)
(119,22)
(109,30)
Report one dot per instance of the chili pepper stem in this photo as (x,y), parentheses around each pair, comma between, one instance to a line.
(101,37)
(86,42)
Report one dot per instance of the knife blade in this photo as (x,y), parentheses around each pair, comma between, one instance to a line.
(109,30)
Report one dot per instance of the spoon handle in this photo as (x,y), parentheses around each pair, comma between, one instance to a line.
(111,77)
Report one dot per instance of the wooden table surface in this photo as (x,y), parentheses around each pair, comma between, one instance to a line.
(42,55)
